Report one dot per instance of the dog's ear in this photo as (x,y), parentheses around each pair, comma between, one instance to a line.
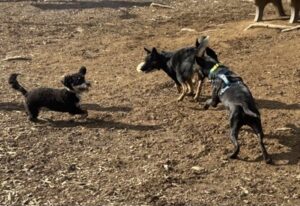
(197,44)
(200,61)
(154,51)
(147,50)
(66,81)
(82,70)
(210,52)
(202,45)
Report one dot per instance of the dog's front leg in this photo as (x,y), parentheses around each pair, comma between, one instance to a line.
(207,104)
(215,100)
(84,114)
(77,110)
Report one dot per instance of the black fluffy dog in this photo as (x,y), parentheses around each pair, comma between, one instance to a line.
(230,89)
(180,65)
(61,100)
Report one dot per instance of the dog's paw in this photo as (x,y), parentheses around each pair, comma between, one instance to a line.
(269,160)
(233,156)
(85,115)
(179,99)
(206,106)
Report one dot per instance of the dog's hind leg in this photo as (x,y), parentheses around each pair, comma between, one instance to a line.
(32,112)
(199,86)
(179,88)
(183,92)
(235,126)
(190,89)
(256,126)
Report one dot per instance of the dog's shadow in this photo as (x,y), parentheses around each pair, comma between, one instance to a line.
(272,104)
(63,5)
(101,123)
(96,107)
(292,141)
(13,106)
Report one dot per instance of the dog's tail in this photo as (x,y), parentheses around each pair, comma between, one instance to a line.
(15,84)
(248,111)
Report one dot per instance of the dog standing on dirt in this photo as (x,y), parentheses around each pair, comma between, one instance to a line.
(230,89)
(180,65)
(60,100)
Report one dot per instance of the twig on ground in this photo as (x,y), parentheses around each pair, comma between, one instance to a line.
(291,29)
(161,5)
(17,58)
(273,26)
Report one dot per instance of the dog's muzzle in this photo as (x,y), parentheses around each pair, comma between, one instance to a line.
(82,87)
(140,66)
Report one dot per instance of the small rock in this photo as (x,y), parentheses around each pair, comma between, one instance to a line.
(79,29)
(72,168)
(166,167)
(197,168)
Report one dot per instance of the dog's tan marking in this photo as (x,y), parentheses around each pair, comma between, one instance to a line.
(139,67)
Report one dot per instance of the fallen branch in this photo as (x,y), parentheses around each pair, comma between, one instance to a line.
(291,29)
(273,26)
(17,58)
(161,5)
(188,29)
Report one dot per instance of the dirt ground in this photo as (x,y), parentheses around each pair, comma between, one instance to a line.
(139,146)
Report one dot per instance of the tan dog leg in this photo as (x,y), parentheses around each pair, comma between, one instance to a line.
(179,88)
(190,87)
(199,88)
(184,91)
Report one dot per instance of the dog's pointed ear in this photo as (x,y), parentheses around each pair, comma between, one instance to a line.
(154,51)
(147,50)
(200,61)
(197,44)
(202,45)
(66,81)
(82,70)
(210,52)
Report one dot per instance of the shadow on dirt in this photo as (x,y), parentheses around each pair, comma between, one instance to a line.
(96,107)
(272,104)
(11,106)
(62,5)
(292,141)
(100,123)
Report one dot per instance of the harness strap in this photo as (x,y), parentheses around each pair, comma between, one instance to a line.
(224,78)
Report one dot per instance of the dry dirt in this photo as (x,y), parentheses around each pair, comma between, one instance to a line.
(139,146)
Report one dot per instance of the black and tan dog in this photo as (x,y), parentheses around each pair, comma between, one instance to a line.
(180,65)
(60,100)
(230,89)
